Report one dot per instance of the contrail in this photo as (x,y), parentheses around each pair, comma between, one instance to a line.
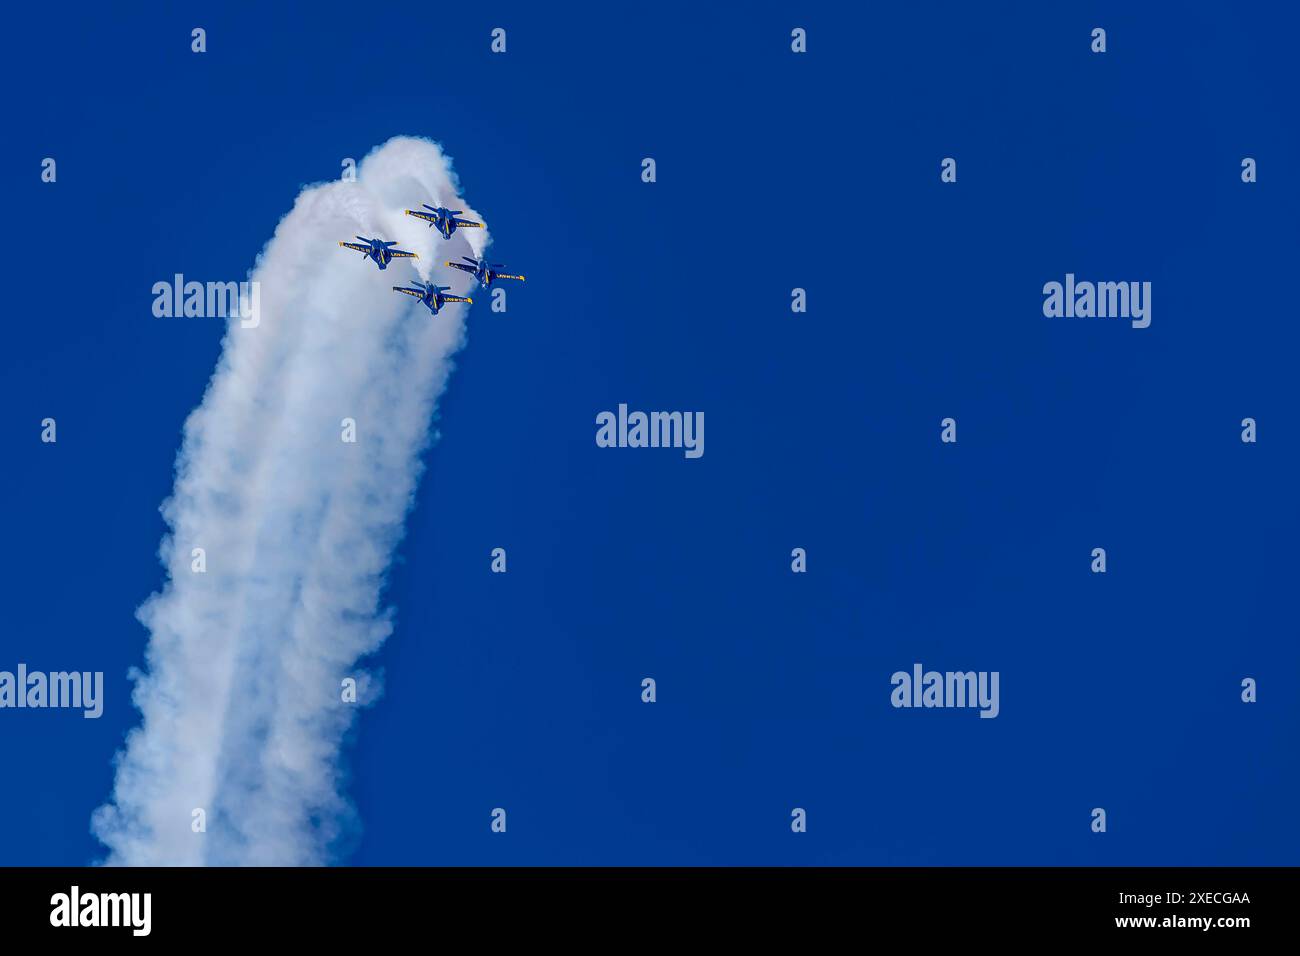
(242,703)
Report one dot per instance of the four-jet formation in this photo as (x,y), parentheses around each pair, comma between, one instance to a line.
(381,252)
(485,272)
(433,296)
(444,218)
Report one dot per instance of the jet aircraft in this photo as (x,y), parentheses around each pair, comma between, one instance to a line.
(444,219)
(381,252)
(484,271)
(433,296)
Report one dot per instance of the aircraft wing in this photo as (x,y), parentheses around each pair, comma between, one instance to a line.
(504,275)
(399,254)
(426,216)
(355,245)
(456,298)
(462,267)
(414,292)
(465,223)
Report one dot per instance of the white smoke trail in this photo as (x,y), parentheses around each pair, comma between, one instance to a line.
(242,709)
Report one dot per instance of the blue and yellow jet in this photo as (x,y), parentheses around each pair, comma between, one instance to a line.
(381,252)
(484,271)
(444,218)
(433,296)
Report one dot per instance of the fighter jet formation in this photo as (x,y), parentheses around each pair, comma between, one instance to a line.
(433,296)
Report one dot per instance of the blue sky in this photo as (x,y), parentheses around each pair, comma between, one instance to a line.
(774,171)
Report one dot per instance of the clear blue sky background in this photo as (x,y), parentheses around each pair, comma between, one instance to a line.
(775,171)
